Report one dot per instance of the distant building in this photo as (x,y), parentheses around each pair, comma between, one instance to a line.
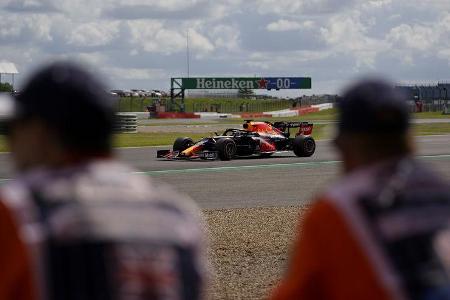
(8,68)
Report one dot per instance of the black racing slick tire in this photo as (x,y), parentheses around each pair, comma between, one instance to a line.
(304,146)
(226,149)
(182,143)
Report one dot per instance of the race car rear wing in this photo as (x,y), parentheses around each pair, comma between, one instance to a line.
(305,128)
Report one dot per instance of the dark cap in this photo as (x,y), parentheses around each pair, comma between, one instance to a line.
(72,101)
(373,106)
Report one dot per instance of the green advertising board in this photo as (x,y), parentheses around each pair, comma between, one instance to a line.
(239,83)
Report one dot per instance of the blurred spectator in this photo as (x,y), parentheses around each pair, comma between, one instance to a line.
(419,106)
(88,227)
(380,232)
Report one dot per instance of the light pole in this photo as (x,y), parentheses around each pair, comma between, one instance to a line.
(187,52)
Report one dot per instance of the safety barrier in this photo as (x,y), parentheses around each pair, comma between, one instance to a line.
(323,106)
(213,115)
(307,110)
(282,113)
(255,115)
(125,123)
(292,112)
(176,115)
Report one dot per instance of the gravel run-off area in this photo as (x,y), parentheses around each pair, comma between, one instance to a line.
(249,249)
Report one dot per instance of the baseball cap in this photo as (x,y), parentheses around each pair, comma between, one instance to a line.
(72,101)
(373,106)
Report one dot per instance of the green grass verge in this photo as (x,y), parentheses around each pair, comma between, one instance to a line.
(166,138)
(430,115)
(151,138)
(320,131)
(325,115)
(431,128)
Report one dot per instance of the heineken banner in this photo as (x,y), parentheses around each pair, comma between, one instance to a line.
(239,83)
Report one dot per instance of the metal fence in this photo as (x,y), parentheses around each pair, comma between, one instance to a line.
(433,106)
(127,104)
(134,104)
(237,106)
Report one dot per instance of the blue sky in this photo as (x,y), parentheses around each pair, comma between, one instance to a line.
(141,44)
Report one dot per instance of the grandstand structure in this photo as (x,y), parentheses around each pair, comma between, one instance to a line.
(427,93)
(428,97)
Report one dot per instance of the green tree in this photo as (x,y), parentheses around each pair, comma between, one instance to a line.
(6,87)
(245,93)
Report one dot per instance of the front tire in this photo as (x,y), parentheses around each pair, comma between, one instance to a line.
(226,149)
(304,146)
(182,143)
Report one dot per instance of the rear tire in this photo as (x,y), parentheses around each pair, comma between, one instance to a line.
(182,143)
(304,146)
(226,149)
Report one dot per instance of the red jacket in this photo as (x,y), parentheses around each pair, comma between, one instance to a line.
(350,250)
(16,279)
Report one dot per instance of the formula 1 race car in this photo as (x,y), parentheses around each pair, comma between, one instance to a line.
(256,138)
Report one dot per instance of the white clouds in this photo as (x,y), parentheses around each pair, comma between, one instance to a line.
(165,4)
(175,10)
(33,28)
(151,36)
(154,36)
(8,32)
(96,59)
(199,42)
(344,30)
(413,37)
(43,6)
(286,25)
(426,39)
(286,60)
(444,54)
(376,3)
(94,34)
(347,34)
(279,7)
(296,7)
(226,37)
(323,37)
(135,74)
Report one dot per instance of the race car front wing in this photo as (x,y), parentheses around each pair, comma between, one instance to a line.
(167,154)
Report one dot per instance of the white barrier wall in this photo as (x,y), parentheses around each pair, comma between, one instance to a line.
(278,113)
(282,113)
(323,106)
(212,115)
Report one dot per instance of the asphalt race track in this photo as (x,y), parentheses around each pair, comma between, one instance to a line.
(280,180)
(277,181)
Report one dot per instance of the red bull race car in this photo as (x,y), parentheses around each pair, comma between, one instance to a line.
(255,138)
